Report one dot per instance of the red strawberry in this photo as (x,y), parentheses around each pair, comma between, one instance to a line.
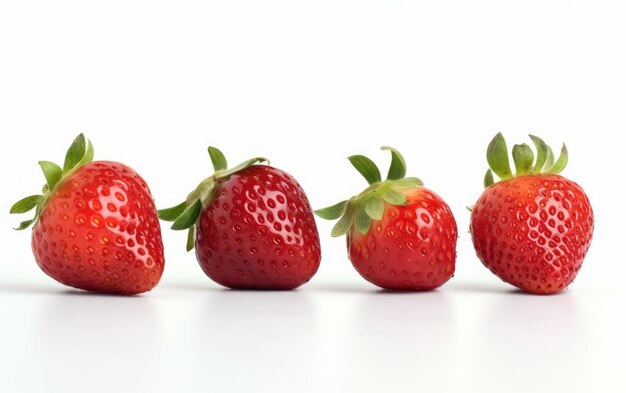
(533,229)
(96,226)
(252,226)
(400,235)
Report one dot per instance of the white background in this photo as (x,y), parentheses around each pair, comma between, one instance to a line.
(152,83)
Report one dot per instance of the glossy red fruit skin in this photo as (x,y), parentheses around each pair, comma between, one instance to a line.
(412,248)
(533,231)
(100,232)
(259,232)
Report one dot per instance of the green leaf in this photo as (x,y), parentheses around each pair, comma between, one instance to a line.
(523,158)
(52,173)
(366,167)
(392,196)
(397,169)
(362,221)
(332,212)
(343,225)
(561,162)
(188,217)
(172,213)
(470,208)
(498,157)
(24,225)
(218,159)
(26,204)
(408,182)
(203,192)
(191,238)
(38,210)
(246,164)
(488,178)
(75,153)
(375,207)
(88,157)
(542,153)
(549,160)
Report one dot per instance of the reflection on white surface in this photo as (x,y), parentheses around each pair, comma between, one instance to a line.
(330,339)
(97,340)
(72,341)
(403,340)
(524,342)
(243,339)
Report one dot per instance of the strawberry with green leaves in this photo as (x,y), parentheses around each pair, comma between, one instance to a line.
(95,225)
(251,225)
(400,235)
(531,229)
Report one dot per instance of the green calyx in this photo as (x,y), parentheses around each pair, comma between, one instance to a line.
(79,154)
(185,215)
(524,159)
(361,209)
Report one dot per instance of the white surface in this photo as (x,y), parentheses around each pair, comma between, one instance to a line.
(152,83)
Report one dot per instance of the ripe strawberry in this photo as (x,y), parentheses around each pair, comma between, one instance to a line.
(400,235)
(96,226)
(252,226)
(533,229)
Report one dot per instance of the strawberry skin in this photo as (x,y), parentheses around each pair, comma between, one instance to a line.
(533,231)
(99,231)
(258,232)
(413,247)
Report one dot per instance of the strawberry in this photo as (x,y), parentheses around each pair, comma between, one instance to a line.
(533,229)
(252,226)
(95,225)
(400,235)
